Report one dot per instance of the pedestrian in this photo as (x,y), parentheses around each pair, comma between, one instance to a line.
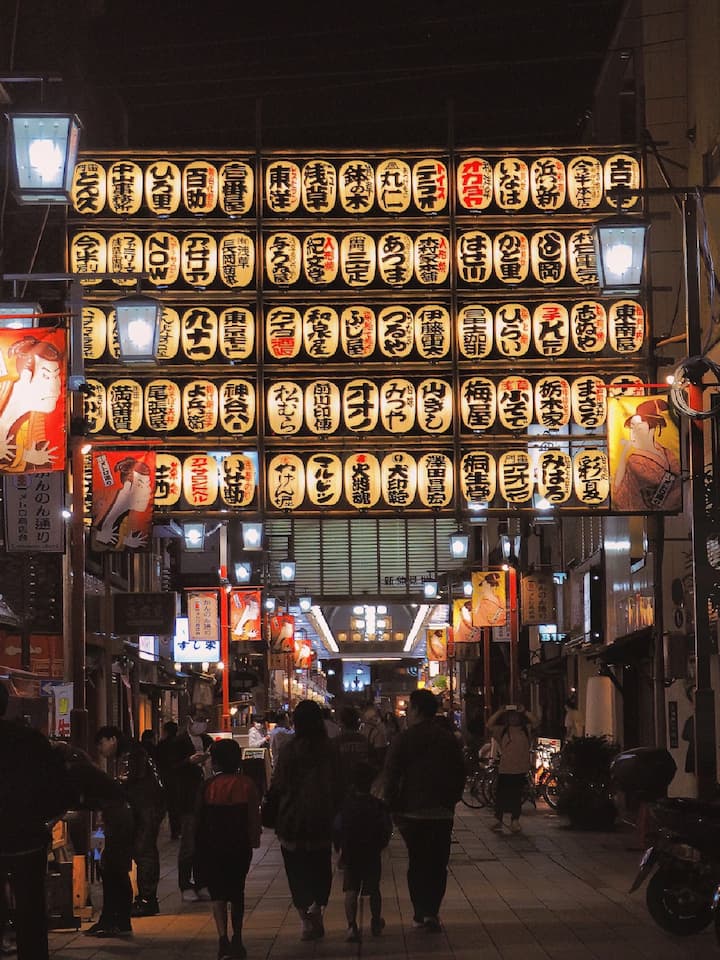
(137,775)
(424,779)
(351,745)
(332,728)
(306,788)
(362,831)
(510,727)
(33,790)
(257,734)
(280,735)
(391,725)
(374,732)
(165,753)
(147,742)
(228,829)
(191,767)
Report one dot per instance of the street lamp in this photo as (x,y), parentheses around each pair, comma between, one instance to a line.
(138,326)
(620,254)
(252,535)
(17,316)
(287,571)
(44,151)
(459,543)
(243,572)
(194,536)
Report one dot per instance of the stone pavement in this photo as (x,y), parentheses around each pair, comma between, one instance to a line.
(546,894)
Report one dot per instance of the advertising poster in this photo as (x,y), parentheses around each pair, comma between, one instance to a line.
(437,642)
(644,450)
(303,653)
(463,629)
(32,400)
(282,633)
(488,599)
(123,485)
(62,705)
(245,615)
(33,512)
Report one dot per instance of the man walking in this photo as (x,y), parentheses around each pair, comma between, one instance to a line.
(424,778)
(192,767)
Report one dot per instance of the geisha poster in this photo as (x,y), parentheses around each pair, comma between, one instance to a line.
(463,629)
(488,599)
(282,633)
(245,617)
(32,400)
(436,644)
(303,654)
(123,485)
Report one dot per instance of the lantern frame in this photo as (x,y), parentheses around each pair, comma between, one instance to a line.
(252,535)
(459,545)
(287,570)
(39,138)
(137,319)
(243,572)
(194,536)
(19,316)
(615,239)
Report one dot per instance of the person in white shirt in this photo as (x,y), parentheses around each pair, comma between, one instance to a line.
(257,735)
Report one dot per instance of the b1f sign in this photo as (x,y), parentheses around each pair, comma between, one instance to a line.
(186,650)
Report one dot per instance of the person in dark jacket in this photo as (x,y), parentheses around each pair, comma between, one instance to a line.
(191,767)
(424,779)
(136,774)
(165,758)
(351,745)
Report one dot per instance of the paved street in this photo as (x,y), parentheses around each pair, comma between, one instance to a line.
(547,893)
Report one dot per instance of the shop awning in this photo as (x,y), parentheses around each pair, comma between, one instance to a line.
(629,648)
(539,672)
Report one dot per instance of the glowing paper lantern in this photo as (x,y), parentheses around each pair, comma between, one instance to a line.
(124,188)
(397,405)
(626,385)
(237,480)
(200,406)
(198,259)
(283,259)
(398,479)
(396,327)
(89,188)
(286,482)
(393,185)
(475,331)
(511,257)
(548,256)
(551,329)
(431,253)
(362,480)
(511,180)
(552,402)
(591,477)
(125,255)
(474,256)
(94,332)
(621,172)
(282,186)
(358,259)
(237,188)
(322,407)
(199,333)
(285,407)
(435,480)
(626,323)
(434,405)
(324,479)
(361,405)
(478,403)
(200,187)
(513,326)
(547,183)
(237,406)
(163,187)
(88,255)
(585,182)
(430,185)
(588,326)
(555,476)
(321,257)
(475,183)
(169,336)
(163,405)
(319,186)
(356,185)
(94,406)
(124,406)
(236,260)
(589,402)
(168,480)
(162,258)
(358,332)
(516,476)
(478,478)
(283,332)
(432,331)
(395,258)
(515,403)
(236,334)
(200,480)
(582,257)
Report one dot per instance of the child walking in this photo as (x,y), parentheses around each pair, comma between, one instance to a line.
(228,829)
(362,831)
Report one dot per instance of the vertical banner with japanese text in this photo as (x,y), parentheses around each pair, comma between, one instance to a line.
(203,627)
(123,485)
(33,512)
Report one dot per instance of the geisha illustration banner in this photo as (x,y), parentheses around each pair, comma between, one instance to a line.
(122,500)
(245,617)
(32,400)
(644,449)
(488,599)
(303,653)
(282,633)
(437,643)
(463,629)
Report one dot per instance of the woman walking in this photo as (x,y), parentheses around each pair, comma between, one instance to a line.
(306,786)
(510,727)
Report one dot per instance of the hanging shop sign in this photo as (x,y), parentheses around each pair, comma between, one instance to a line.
(397,405)
(89,188)
(33,505)
(282,633)
(547,183)
(237,188)
(585,182)
(432,331)
(515,471)
(163,405)
(489,599)
(551,329)
(436,644)
(321,332)
(203,627)
(475,331)
(588,326)
(282,187)
(168,480)
(626,324)
(475,183)
(396,326)
(357,259)
(200,187)
(144,613)
(554,476)
(245,615)
(163,187)
(162,258)
(322,407)
(236,334)
(398,478)
(478,403)
(435,480)
(324,479)
(285,407)
(511,257)
(123,487)
(361,406)
(237,403)
(393,186)
(591,477)
(124,406)
(286,482)
(537,598)
(358,335)
(552,402)
(434,405)
(362,480)
(589,402)
(124,188)
(478,478)
(513,326)
(200,480)
(237,480)
(319,186)
(395,258)
(626,385)
(320,256)
(198,259)
(474,256)
(356,186)
(200,403)
(515,403)
(430,185)
(199,333)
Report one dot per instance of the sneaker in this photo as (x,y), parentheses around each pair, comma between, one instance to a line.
(316,920)
(190,895)
(237,948)
(203,893)
(432,924)
(497,827)
(145,908)
(97,930)
(418,922)
(515,826)
(223,949)
(377,925)
(353,934)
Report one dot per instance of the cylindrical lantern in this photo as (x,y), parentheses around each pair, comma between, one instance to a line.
(237,406)
(200,406)
(511,180)
(555,475)
(124,406)
(432,331)
(321,257)
(362,480)
(237,480)
(283,332)
(551,329)
(236,335)
(626,385)
(395,258)
(474,256)
(398,479)
(285,407)
(322,407)
(168,480)
(478,478)
(162,258)
(200,480)
(361,405)
(582,257)
(88,255)
(163,187)
(621,172)
(516,476)
(163,406)
(589,402)
(397,405)
(434,405)
(393,185)
(169,336)
(358,332)
(547,183)
(513,326)
(94,332)
(319,186)
(475,183)
(552,402)
(588,326)
(286,482)
(124,188)
(515,403)
(89,188)
(321,332)
(585,182)
(198,259)
(358,259)
(591,477)
(396,327)
(236,260)
(200,187)
(475,331)
(94,406)
(430,185)
(282,187)
(356,185)
(125,255)
(237,188)
(435,480)
(548,256)
(478,403)
(431,253)
(511,257)
(199,333)
(283,258)
(324,479)
(626,323)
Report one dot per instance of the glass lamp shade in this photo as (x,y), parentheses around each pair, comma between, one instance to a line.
(252,535)
(620,254)
(44,151)
(305,604)
(459,545)
(287,571)
(430,589)
(243,572)
(16,316)
(138,327)
(194,536)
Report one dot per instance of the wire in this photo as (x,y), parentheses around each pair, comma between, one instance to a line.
(689,374)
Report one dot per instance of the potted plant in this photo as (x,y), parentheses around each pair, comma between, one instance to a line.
(584,787)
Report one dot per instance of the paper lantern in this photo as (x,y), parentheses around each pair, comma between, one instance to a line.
(320,258)
(236,333)
(555,476)
(200,480)
(163,405)
(478,403)
(283,258)
(396,327)
(324,479)
(200,406)
(398,479)
(163,187)
(621,172)
(430,185)
(475,183)
(393,185)
(236,260)
(286,482)
(515,474)
(124,406)
(168,480)
(434,405)
(124,188)
(582,257)
(357,259)
(94,332)
(198,259)
(283,332)
(319,186)
(584,182)
(515,402)
(589,402)
(551,329)
(511,257)
(547,183)
(125,255)
(89,188)
(169,335)
(322,407)
(591,477)
(552,402)
(511,180)
(88,255)
(626,385)
(548,256)
(236,188)
(358,332)
(397,405)
(94,405)
(200,187)
(395,258)
(474,256)
(162,258)
(237,406)
(199,333)
(356,185)
(513,326)
(626,325)
(237,480)
(431,253)
(285,407)
(432,331)
(478,478)
(282,187)
(361,405)
(362,480)
(475,331)
(588,326)
(435,480)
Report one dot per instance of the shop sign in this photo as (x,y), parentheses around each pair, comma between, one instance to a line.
(168,480)
(398,477)
(200,480)
(478,478)
(285,407)
(591,477)
(393,186)
(475,183)
(33,506)
(432,331)
(124,188)
(146,613)
(435,480)
(475,331)
(163,405)
(324,479)
(516,476)
(537,598)
(547,183)
(286,482)
(203,627)
(282,187)
(356,183)
(237,481)
(237,406)
(163,187)
(552,402)
(237,188)
(434,405)
(89,188)
(362,480)
(358,332)
(283,332)
(162,258)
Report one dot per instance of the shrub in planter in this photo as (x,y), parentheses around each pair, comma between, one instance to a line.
(584,787)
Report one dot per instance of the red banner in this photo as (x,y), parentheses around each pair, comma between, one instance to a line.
(282,633)
(123,486)
(245,615)
(32,400)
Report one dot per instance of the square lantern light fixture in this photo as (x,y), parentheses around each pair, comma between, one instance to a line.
(44,152)
(305,604)
(243,572)
(138,328)
(430,589)
(270,604)
(16,316)
(252,536)
(459,543)
(194,536)
(287,571)
(620,254)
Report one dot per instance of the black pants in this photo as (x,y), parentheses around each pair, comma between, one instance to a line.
(115,865)
(145,852)
(309,875)
(428,847)
(186,852)
(27,879)
(508,794)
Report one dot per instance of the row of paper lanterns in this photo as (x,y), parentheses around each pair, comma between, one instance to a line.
(362,405)
(354,187)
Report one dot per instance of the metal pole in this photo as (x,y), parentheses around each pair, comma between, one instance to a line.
(78,714)
(514,634)
(224,629)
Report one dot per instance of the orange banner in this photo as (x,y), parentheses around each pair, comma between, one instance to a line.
(488,599)
(282,633)
(123,486)
(436,644)
(245,615)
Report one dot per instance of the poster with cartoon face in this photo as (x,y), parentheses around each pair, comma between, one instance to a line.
(489,599)
(123,485)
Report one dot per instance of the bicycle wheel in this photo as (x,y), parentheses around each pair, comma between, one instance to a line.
(550,789)
(471,796)
(488,787)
